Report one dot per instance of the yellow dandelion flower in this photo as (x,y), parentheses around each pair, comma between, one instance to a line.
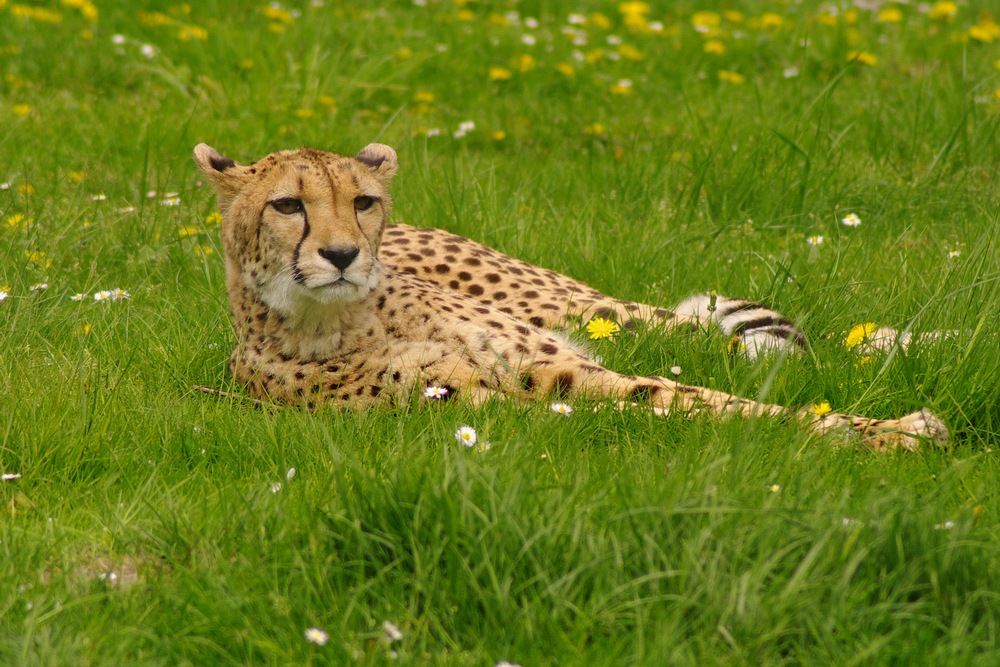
(192,32)
(863,57)
(17,221)
(305,114)
(213,218)
(423,96)
(498,135)
(525,63)
(630,53)
(821,408)
(26,189)
(735,344)
(600,20)
(890,15)
(594,129)
(774,488)
(593,56)
(705,21)
(714,46)
(566,68)
(23,109)
(86,329)
(328,101)
(404,53)
(859,333)
(943,11)
(863,361)
(465,15)
(733,16)
(36,14)
(276,28)
(633,8)
(499,74)
(622,87)
(498,20)
(203,250)
(76,176)
(187,231)
(38,257)
(154,19)
(985,31)
(769,21)
(277,13)
(598,327)
(731,77)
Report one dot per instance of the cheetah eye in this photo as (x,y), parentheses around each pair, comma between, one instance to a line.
(363,202)
(288,206)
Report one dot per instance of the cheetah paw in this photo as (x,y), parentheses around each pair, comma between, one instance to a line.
(907,432)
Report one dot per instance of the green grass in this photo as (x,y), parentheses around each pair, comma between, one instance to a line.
(602,538)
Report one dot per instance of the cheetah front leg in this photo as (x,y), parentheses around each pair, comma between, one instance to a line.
(666,396)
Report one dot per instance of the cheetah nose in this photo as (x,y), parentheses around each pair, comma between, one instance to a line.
(340,256)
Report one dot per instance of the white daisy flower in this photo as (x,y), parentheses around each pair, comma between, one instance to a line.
(290,474)
(814,240)
(11,476)
(561,408)
(851,220)
(392,632)
(118,294)
(102,295)
(118,39)
(78,297)
(954,253)
(483,447)
(947,525)
(576,19)
(171,201)
(466,435)
(436,392)
(38,287)
(276,487)
(317,636)
(675,370)
(148,50)
(100,197)
(3,295)
(774,488)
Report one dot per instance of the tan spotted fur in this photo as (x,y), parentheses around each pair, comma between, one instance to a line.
(333,305)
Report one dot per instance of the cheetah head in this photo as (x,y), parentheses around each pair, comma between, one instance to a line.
(301,229)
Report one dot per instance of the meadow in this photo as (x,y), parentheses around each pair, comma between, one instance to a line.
(651,151)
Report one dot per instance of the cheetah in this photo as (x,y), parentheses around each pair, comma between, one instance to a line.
(332,305)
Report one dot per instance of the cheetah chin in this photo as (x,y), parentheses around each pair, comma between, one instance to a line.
(333,305)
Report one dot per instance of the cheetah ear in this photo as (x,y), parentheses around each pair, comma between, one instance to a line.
(226,176)
(382,160)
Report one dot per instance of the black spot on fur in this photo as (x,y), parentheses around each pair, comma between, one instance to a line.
(640,394)
(537,321)
(563,385)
